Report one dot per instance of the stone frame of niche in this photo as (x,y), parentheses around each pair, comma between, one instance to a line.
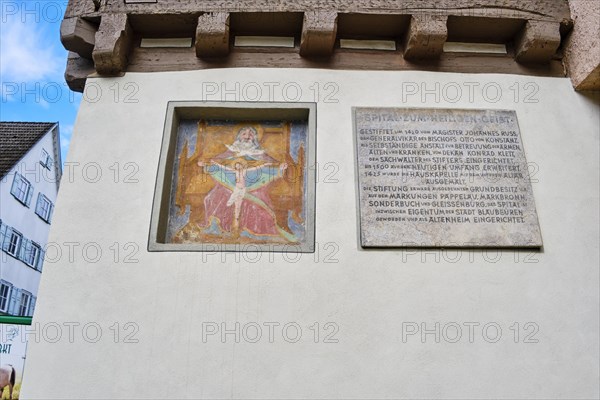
(232,111)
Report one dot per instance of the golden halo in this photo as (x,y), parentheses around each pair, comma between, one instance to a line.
(256,125)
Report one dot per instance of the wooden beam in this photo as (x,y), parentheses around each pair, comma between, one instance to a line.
(78,35)
(555,10)
(78,69)
(113,43)
(319,30)
(180,59)
(426,37)
(212,35)
(537,42)
(425,34)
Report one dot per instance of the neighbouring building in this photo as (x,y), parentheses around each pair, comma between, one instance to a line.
(30,170)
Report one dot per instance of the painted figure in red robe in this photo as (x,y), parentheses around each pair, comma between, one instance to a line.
(239,204)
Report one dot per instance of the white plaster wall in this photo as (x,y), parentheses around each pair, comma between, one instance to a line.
(370,296)
(24,219)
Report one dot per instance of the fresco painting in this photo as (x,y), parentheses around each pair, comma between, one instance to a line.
(241,182)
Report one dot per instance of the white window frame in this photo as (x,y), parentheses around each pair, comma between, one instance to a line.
(44,207)
(14,245)
(5,286)
(24,308)
(21,189)
(32,254)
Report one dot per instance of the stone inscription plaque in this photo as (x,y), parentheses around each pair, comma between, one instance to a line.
(443,178)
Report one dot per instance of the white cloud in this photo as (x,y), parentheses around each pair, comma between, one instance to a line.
(43,103)
(27,52)
(66,131)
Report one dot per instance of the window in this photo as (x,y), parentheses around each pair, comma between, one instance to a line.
(44,207)
(5,233)
(45,159)
(18,302)
(12,241)
(22,189)
(31,306)
(24,307)
(30,253)
(5,288)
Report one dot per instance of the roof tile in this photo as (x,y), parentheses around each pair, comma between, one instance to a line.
(16,138)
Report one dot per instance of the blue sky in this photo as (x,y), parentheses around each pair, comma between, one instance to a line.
(32,65)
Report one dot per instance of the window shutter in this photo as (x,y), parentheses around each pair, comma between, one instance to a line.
(2,234)
(30,252)
(23,252)
(15,184)
(15,301)
(38,208)
(32,300)
(29,195)
(40,260)
(8,292)
(7,235)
